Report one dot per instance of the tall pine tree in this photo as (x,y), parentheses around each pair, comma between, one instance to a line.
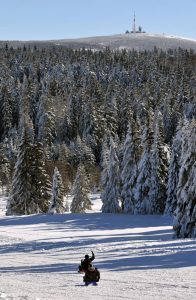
(130,168)
(159,169)
(173,173)
(104,168)
(111,192)
(185,214)
(57,201)
(81,201)
(143,184)
(22,200)
(40,178)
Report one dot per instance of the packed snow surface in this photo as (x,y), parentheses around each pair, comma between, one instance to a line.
(136,255)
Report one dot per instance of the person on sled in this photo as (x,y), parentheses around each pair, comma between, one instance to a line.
(87,263)
(92,275)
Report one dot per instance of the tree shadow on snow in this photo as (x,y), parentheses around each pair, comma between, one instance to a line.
(73,222)
(80,242)
(49,268)
(179,259)
(116,251)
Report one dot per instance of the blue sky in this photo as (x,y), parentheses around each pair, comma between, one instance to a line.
(54,19)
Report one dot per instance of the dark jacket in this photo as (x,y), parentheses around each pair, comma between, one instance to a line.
(87,262)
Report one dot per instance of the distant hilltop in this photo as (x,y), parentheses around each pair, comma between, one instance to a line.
(139,41)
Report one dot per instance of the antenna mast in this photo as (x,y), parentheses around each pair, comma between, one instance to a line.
(134,27)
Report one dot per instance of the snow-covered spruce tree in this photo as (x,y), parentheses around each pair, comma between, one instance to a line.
(40,178)
(83,153)
(130,168)
(5,172)
(125,113)
(190,109)
(6,111)
(143,184)
(104,169)
(81,201)
(185,214)
(22,200)
(170,120)
(73,115)
(88,158)
(94,126)
(173,174)
(57,200)
(45,124)
(159,170)
(111,192)
(111,115)
(11,144)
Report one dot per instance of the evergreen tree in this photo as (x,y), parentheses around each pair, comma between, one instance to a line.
(22,200)
(173,174)
(57,201)
(104,169)
(111,193)
(83,153)
(170,120)
(130,168)
(81,201)
(46,130)
(185,214)
(159,169)
(88,158)
(94,126)
(73,114)
(11,145)
(5,171)
(111,115)
(143,184)
(40,178)
(6,111)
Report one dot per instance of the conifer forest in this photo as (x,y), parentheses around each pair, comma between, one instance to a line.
(118,122)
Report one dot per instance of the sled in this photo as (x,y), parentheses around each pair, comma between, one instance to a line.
(90,277)
(92,282)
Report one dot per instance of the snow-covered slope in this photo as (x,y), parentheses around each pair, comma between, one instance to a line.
(136,255)
(138,41)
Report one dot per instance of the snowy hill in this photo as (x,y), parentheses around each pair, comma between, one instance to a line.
(138,41)
(136,255)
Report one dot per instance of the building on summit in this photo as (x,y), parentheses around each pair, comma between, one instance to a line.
(134,30)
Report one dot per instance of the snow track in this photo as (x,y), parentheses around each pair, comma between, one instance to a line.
(137,257)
